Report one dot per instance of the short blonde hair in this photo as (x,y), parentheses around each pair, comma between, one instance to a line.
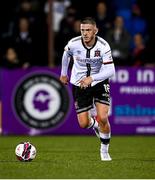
(88,20)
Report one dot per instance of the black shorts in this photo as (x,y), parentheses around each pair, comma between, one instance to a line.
(85,98)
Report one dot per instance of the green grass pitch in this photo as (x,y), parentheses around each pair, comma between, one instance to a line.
(77,157)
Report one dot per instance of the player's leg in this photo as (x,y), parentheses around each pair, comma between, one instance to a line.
(83,103)
(84,120)
(102,102)
(93,120)
(87,119)
(104,130)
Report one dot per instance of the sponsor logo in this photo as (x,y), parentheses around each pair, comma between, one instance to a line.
(41,101)
(137,110)
(97,53)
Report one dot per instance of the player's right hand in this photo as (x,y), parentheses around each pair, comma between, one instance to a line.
(64,79)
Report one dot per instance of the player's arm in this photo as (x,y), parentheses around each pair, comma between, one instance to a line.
(64,66)
(106,71)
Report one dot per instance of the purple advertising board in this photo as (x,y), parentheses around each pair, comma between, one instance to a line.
(35,102)
(133,101)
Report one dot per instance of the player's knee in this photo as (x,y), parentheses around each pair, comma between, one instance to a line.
(83,123)
(103,119)
(84,126)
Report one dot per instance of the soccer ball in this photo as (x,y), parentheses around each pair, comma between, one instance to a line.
(25,151)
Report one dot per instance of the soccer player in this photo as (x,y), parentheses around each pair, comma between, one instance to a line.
(92,67)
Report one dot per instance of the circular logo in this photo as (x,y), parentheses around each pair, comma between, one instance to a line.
(41,101)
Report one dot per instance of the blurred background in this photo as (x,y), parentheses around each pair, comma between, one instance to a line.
(36,31)
(33,34)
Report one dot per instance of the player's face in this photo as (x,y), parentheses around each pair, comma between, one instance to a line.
(88,32)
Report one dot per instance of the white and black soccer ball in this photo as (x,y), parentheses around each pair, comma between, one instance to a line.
(25,151)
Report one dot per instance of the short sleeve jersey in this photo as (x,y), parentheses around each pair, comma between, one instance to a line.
(87,61)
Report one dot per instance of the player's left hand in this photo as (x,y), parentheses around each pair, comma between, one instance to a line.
(85,82)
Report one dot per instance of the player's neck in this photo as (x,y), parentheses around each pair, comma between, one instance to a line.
(90,43)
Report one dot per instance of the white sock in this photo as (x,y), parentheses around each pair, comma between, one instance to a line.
(92,123)
(96,123)
(103,137)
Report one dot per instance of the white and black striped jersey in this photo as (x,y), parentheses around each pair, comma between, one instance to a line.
(87,61)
